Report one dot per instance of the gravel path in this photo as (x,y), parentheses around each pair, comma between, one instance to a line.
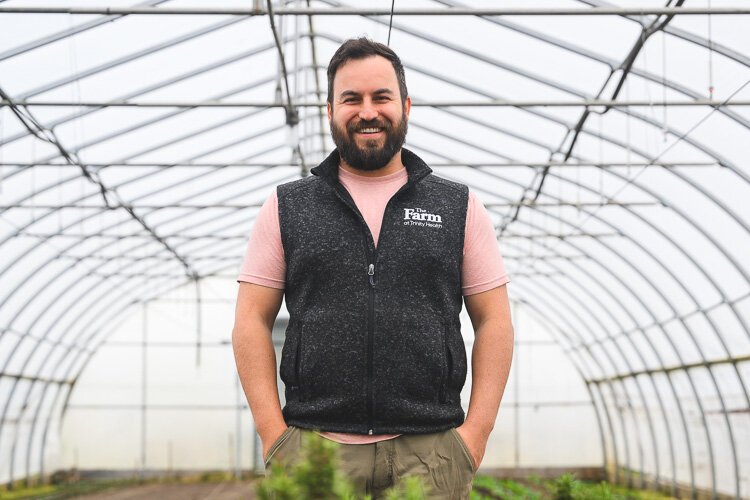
(202,491)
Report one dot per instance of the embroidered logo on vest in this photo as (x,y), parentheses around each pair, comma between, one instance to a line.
(420,217)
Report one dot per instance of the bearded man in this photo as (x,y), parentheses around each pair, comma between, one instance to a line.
(375,256)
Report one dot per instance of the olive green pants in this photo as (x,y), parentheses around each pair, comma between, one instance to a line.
(441,459)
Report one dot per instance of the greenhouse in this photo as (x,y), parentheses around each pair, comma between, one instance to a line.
(608,142)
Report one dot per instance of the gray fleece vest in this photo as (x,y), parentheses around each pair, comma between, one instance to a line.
(374,343)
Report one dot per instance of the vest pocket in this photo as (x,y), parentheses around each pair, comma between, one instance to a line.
(298,365)
(448,370)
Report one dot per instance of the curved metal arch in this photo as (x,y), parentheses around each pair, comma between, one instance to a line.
(614,320)
(613,63)
(540,312)
(708,437)
(82,219)
(71,365)
(537,78)
(146,123)
(736,218)
(661,126)
(86,353)
(120,222)
(53,406)
(680,33)
(711,454)
(78,221)
(713,282)
(65,311)
(158,86)
(91,339)
(606,408)
(699,349)
(584,291)
(365,16)
(61,35)
(130,57)
(116,224)
(729,212)
(108,309)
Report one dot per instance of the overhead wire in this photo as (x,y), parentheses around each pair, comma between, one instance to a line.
(48,135)
(653,162)
(390,22)
(292,115)
(624,69)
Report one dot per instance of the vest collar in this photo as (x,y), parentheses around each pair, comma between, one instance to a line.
(416,168)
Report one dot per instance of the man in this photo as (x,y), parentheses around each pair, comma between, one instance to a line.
(374,255)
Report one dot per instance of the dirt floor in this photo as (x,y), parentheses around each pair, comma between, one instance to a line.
(202,491)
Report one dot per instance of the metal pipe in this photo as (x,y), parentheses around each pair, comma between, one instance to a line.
(528,203)
(345,11)
(270,164)
(603,103)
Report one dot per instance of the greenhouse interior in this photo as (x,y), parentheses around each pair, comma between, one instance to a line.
(607,140)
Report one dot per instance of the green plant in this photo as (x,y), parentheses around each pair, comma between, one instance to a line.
(506,489)
(565,486)
(317,477)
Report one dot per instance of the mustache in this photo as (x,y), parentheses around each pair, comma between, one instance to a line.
(362,124)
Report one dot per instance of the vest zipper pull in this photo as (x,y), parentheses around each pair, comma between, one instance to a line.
(371,274)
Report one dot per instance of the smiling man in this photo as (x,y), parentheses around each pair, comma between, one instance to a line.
(375,256)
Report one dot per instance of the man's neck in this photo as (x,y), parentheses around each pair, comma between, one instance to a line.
(392,167)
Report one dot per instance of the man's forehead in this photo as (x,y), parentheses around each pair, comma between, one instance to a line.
(371,74)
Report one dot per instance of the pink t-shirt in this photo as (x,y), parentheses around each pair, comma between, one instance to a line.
(483,267)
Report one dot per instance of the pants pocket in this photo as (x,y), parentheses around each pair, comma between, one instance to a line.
(277,444)
(465,449)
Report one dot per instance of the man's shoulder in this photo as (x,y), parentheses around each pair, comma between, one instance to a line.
(287,188)
(434,179)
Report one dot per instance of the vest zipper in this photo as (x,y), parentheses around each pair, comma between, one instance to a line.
(372,258)
(370,346)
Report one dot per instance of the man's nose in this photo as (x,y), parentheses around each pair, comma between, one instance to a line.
(368,111)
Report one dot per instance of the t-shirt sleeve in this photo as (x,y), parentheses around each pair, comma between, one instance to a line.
(483,267)
(264,262)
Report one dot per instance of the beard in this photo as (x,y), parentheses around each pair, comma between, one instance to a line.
(371,156)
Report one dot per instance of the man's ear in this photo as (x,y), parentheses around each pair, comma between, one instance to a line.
(407,106)
(330,110)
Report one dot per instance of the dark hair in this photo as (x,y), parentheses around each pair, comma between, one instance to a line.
(361,48)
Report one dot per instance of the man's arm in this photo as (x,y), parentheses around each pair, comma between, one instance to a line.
(254,353)
(490,365)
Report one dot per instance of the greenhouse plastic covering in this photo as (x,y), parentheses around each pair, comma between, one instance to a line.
(611,149)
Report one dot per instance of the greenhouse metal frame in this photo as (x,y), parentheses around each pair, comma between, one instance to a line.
(94,229)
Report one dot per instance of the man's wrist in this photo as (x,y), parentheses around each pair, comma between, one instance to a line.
(479,426)
(271,429)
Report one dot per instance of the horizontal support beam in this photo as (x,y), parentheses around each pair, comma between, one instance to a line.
(345,11)
(561,236)
(668,369)
(529,404)
(497,103)
(157,407)
(605,164)
(659,323)
(29,378)
(527,203)
(532,203)
(127,236)
(159,258)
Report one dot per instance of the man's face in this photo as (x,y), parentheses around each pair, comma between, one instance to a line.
(368,119)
